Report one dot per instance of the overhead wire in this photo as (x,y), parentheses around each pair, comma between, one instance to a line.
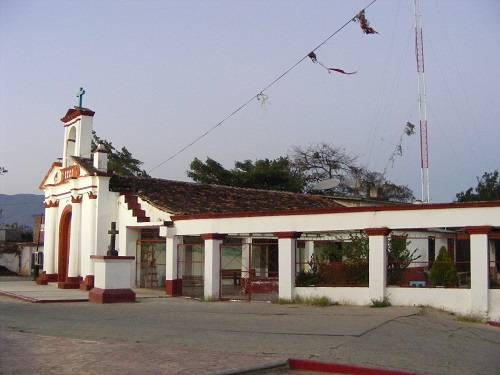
(255,97)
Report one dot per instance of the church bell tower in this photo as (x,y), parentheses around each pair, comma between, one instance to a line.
(77,132)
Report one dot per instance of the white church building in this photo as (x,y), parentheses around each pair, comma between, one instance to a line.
(219,242)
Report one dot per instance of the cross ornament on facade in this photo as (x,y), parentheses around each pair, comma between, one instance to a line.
(79,95)
(113,232)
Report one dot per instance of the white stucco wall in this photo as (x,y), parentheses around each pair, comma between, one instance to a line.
(453,300)
(403,219)
(494,307)
(343,295)
(154,213)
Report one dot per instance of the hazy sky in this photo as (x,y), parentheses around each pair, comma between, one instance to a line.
(159,73)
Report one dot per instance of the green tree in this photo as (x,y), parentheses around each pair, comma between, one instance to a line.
(487,189)
(120,162)
(399,257)
(443,271)
(210,172)
(262,174)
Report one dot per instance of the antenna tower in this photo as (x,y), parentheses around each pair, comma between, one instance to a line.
(424,149)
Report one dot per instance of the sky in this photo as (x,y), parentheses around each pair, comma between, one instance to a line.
(160,73)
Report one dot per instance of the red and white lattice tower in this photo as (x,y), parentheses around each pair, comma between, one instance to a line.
(424,149)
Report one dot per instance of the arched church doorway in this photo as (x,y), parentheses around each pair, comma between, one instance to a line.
(64,238)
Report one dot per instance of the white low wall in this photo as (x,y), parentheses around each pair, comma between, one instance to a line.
(342,295)
(494,305)
(453,300)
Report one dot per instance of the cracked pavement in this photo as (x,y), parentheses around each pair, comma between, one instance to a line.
(179,336)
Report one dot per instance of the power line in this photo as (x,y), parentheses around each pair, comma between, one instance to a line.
(267,87)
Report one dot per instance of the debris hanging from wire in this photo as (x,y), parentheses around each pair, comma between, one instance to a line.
(364,24)
(263,100)
(408,130)
(314,59)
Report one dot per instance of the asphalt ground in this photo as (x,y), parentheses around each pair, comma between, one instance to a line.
(180,336)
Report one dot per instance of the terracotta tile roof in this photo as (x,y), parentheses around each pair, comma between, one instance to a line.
(75,112)
(186,198)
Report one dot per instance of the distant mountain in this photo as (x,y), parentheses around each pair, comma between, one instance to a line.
(20,208)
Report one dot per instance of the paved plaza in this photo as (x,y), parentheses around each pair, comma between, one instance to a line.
(180,336)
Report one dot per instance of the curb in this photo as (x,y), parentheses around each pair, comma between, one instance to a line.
(35,300)
(337,368)
(254,369)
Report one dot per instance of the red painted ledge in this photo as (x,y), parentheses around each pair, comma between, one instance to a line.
(485,229)
(337,368)
(213,236)
(288,234)
(494,324)
(377,231)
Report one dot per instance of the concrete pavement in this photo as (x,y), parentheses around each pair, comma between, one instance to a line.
(175,336)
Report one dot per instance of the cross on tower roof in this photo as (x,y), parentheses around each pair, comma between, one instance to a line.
(79,95)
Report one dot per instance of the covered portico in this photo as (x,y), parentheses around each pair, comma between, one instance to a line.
(480,221)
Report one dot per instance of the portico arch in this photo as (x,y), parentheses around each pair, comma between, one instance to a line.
(64,239)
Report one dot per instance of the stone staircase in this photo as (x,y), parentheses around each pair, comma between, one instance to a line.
(134,205)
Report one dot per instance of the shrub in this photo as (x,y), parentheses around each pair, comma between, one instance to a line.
(470,318)
(399,258)
(382,302)
(306,278)
(443,271)
(310,301)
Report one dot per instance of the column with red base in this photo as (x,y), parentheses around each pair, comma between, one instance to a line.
(113,279)
(173,278)
(48,274)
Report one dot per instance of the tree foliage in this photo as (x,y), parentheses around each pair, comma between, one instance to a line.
(300,171)
(324,161)
(443,271)
(262,174)
(487,189)
(399,258)
(120,162)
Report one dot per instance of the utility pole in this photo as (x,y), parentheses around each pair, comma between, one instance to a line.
(424,149)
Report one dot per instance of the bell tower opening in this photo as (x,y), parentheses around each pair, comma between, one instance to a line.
(77,133)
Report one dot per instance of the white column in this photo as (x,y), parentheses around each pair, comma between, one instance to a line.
(49,239)
(287,245)
(479,269)
(74,244)
(308,253)
(246,245)
(377,267)
(173,281)
(91,231)
(212,265)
